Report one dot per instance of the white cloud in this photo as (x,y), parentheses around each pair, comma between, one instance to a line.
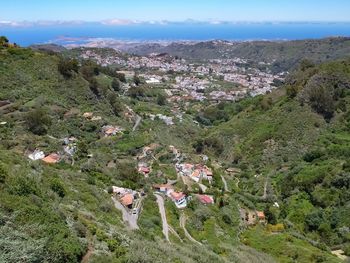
(119,22)
(125,22)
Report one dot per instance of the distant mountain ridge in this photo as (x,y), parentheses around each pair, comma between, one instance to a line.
(283,55)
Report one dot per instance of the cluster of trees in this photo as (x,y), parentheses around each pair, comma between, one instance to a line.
(67,67)
(4,41)
(38,121)
(322,87)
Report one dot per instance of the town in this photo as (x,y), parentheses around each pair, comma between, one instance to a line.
(213,80)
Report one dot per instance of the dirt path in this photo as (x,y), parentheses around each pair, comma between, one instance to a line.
(130,219)
(225,183)
(89,252)
(183,226)
(137,123)
(172,230)
(160,202)
(237,182)
(203,187)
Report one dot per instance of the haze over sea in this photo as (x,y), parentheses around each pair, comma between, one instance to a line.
(172,32)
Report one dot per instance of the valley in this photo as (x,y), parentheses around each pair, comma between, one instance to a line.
(161,154)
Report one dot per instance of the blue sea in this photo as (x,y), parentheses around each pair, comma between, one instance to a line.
(147,32)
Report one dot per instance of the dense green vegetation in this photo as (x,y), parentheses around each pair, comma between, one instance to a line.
(294,144)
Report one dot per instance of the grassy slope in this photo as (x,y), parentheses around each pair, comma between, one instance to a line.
(54,213)
(272,140)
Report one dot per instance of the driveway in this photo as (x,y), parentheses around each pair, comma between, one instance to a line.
(183,225)
(128,218)
(137,122)
(160,202)
(225,183)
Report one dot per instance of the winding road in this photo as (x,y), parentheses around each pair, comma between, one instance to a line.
(183,226)
(160,202)
(128,218)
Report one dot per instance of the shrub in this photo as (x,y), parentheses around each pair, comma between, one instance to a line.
(23,186)
(57,186)
(313,155)
(67,66)
(115,85)
(38,121)
(161,100)
(80,229)
(3,173)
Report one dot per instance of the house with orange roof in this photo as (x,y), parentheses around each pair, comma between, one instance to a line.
(109,130)
(51,159)
(196,175)
(127,200)
(261,216)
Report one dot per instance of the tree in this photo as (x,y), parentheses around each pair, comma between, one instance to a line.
(319,94)
(57,186)
(38,121)
(270,215)
(117,107)
(306,64)
(67,66)
(3,174)
(121,77)
(94,86)
(116,85)
(136,92)
(137,80)
(161,100)
(3,41)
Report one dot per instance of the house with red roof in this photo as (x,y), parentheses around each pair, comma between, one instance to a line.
(206,199)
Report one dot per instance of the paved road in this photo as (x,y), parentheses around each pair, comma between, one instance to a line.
(130,219)
(183,225)
(160,202)
(137,122)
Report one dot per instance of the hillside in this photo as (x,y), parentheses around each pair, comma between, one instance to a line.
(293,146)
(290,147)
(283,56)
(62,212)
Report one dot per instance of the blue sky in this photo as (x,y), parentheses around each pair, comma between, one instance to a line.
(176,10)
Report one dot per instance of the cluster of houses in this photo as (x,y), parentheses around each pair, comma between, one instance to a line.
(69,149)
(196,172)
(179,198)
(52,158)
(145,159)
(166,119)
(252,217)
(197,77)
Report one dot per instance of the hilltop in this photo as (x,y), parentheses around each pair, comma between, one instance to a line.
(282,55)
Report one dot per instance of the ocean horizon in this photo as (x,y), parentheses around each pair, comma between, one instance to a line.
(75,34)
